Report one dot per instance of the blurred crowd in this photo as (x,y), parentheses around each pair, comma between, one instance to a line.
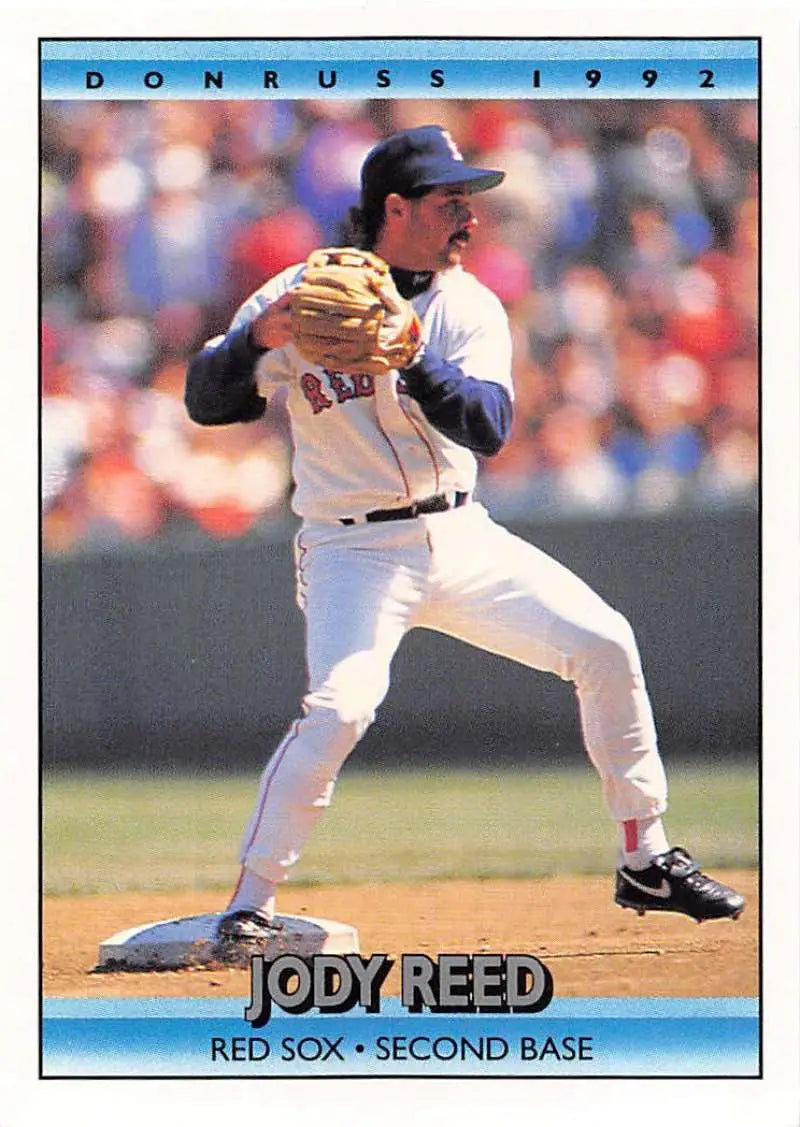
(623,244)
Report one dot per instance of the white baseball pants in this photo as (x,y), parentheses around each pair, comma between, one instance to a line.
(362,587)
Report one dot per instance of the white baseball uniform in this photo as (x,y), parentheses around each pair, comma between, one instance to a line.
(364,444)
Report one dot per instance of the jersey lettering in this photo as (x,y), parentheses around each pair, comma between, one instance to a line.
(343,391)
(363,385)
(311,387)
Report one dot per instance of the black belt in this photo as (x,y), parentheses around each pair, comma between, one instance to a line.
(438,504)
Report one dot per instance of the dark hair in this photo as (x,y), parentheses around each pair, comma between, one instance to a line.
(362,225)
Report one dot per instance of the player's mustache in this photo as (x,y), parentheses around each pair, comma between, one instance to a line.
(460,236)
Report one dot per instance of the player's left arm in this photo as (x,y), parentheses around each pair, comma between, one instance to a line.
(468,396)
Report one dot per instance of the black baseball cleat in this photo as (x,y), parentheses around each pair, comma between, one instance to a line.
(674,883)
(243,934)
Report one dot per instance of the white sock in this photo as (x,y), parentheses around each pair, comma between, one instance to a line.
(253,894)
(642,839)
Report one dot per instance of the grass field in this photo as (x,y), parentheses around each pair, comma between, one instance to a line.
(105,833)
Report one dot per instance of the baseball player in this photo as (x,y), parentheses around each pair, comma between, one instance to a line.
(391,539)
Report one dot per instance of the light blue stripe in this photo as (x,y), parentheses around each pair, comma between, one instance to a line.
(388,49)
(464,77)
(667,1008)
(385,1045)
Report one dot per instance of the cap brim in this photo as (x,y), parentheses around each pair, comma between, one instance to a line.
(476,179)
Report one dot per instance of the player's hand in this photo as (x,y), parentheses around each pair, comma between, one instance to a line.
(348,316)
(272,328)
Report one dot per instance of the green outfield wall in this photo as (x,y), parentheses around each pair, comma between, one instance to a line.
(181,655)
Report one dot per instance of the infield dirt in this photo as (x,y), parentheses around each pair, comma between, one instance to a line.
(592,947)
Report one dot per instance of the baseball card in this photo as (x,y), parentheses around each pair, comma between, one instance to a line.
(403,662)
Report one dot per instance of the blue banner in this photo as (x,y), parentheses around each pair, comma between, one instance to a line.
(575,1037)
(276,69)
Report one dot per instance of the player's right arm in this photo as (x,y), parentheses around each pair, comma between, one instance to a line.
(221,381)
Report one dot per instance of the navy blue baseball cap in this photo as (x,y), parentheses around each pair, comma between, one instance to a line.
(416,159)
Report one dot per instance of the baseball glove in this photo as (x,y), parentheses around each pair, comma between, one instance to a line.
(347,315)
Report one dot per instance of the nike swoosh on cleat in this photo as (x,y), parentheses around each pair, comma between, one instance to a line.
(663,892)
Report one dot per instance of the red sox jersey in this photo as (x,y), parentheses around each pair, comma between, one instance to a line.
(362,442)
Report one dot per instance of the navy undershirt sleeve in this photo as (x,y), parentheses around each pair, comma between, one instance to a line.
(474,413)
(220,382)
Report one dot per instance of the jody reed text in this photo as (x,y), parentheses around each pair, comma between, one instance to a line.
(451,983)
